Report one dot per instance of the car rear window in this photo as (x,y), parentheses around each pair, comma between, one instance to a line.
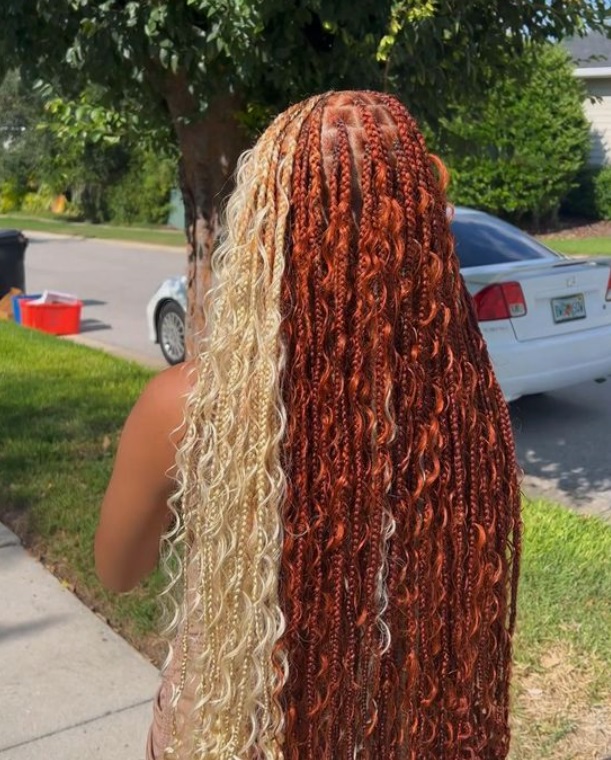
(483,240)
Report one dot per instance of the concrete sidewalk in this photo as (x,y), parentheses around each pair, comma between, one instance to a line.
(71,688)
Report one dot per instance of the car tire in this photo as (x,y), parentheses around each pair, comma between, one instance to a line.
(171,332)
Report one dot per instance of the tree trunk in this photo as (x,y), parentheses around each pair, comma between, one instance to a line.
(209,147)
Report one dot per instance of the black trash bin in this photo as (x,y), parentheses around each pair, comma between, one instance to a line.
(12,253)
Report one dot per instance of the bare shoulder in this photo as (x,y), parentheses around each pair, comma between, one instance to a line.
(135,510)
(173,382)
(155,425)
(162,403)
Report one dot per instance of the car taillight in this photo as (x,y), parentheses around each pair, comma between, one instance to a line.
(503,301)
(608,297)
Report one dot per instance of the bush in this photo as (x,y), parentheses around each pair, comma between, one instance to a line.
(11,196)
(143,194)
(517,153)
(41,200)
(580,201)
(602,193)
(103,176)
(591,198)
(25,151)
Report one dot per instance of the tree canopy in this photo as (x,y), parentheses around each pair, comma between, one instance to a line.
(517,150)
(270,52)
(208,67)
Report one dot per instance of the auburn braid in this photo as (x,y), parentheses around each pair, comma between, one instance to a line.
(409,657)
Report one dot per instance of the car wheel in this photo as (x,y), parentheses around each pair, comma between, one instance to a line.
(171,332)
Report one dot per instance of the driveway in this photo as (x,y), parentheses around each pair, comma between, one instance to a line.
(114,281)
(564,446)
(563,438)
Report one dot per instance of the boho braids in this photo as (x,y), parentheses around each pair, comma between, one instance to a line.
(348,531)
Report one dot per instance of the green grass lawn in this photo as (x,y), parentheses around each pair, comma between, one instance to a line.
(590,246)
(63,226)
(565,583)
(61,409)
(562,674)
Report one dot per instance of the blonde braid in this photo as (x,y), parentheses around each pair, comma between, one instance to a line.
(228,540)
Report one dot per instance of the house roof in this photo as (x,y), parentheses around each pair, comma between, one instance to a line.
(591,53)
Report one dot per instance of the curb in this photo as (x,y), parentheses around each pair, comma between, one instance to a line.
(121,353)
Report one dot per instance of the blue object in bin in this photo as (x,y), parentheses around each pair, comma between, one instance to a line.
(17,305)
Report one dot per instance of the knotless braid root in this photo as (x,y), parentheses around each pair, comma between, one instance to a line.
(348,519)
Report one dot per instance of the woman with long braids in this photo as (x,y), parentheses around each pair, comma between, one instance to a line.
(343,531)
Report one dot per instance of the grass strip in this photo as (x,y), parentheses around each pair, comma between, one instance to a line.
(62,407)
(589,246)
(63,226)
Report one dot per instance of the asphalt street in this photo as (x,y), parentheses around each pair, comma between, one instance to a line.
(114,280)
(563,438)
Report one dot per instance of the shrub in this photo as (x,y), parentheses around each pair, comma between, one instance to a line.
(25,151)
(103,175)
(11,195)
(41,200)
(591,198)
(602,193)
(580,200)
(517,152)
(143,194)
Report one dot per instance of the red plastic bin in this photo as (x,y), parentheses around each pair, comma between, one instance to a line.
(54,318)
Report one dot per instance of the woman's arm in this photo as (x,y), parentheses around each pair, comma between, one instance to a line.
(134,510)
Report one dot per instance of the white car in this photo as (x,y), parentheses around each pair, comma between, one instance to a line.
(546,318)
(165,316)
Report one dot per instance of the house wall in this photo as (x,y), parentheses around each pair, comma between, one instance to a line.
(599,114)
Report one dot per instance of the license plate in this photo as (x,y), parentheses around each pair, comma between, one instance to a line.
(568,308)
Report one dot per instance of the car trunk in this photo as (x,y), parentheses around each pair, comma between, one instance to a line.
(561,297)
